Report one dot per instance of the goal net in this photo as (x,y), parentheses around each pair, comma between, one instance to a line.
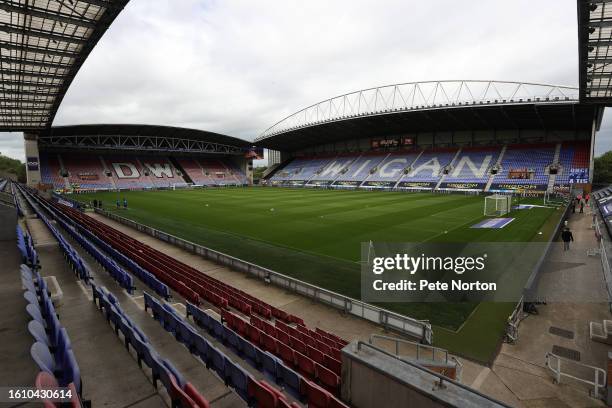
(497,205)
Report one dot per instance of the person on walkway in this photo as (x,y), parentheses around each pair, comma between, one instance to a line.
(567,237)
(95,203)
(118,204)
(574,206)
(587,198)
(581,207)
(125,203)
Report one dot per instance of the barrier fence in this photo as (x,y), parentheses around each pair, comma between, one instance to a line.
(418,329)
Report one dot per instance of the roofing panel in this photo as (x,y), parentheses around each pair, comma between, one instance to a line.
(43,44)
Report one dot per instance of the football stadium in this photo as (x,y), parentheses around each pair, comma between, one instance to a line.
(145,265)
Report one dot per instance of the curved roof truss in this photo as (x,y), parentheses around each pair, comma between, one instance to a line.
(415,96)
(43,44)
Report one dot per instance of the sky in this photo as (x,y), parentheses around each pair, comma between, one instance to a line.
(238,66)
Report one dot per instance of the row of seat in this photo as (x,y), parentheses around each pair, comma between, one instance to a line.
(52,350)
(29,256)
(124,279)
(309,361)
(189,282)
(256,354)
(181,392)
(146,277)
(255,392)
(73,258)
(318,339)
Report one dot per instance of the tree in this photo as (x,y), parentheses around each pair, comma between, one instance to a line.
(13,167)
(258,172)
(603,169)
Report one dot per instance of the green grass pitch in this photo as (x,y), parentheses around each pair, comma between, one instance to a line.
(315,236)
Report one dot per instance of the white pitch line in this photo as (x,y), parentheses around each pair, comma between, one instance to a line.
(482,376)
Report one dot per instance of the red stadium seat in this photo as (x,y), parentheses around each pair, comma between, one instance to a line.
(286,353)
(196,396)
(254,334)
(283,337)
(333,364)
(269,343)
(327,378)
(264,397)
(316,396)
(315,355)
(298,345)
(305,365)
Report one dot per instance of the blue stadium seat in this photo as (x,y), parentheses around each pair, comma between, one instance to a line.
(217,361)
(34,312)
(290,379)
(30,297)
(43,357)
(202,346)
(37,330)
(238,379)
(269,364)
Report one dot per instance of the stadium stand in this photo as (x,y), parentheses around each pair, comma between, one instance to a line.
(86,172)
(525,165)
(468,168)
(360,168)
(574,163)
(50,170)
(473,165)
(391,169)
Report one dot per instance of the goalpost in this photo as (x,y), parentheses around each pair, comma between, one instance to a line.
(497,205)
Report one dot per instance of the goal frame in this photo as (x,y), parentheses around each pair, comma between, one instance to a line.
(503,204)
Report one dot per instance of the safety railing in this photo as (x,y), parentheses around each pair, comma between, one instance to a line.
(594,377)
(421,352)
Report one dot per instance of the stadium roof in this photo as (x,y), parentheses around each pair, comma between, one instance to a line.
(43,44)
(595,51)
(144,130)
(433,106)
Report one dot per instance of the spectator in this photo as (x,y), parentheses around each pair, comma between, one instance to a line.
(574,206)
(567,237)
(125,203)
(100,204)
(95,203)
(581,207)
(118,204)
(587,197)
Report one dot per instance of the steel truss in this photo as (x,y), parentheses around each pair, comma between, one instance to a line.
(141,143)
(421,96)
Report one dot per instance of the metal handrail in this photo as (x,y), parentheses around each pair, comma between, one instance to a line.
(599,378)
(446,357)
